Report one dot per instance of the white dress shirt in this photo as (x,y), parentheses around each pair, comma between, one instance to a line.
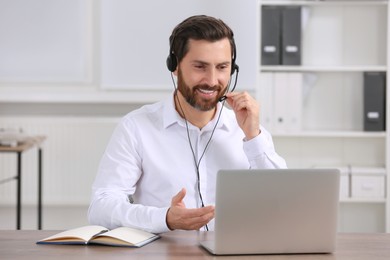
(150,160)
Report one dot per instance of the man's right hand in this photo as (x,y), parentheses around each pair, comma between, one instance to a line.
(179,217)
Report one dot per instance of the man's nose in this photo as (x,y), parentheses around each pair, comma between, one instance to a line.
(212,77)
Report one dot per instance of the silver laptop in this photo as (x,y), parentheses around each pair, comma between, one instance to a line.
(283,211)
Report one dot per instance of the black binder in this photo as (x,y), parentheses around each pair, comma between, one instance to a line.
(291,35)
(374,101)
(270,35)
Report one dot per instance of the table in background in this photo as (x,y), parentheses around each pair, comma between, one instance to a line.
(29,142)
(20,244)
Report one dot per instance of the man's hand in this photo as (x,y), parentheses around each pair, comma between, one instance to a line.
(179,217)
(247,112)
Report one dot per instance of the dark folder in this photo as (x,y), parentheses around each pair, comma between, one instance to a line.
(270,35)
(291,35)
(374,101)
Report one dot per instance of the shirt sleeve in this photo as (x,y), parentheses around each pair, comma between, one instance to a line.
(113,210)
(118,173)
(261,152)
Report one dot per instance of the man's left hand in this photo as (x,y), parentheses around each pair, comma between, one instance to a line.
(247,112)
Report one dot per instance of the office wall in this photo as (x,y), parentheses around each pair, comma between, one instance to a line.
(69,68)
(131,53)
(109,44)
(44,40)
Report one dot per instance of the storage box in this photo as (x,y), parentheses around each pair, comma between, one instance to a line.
(344,183)
(368,182)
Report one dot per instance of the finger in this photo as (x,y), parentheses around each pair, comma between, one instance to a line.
(232,94)
(244,103)
(235,95)
(198,222)
(237,98)
(239,105)
(189,219)
(198,212)
(179,197)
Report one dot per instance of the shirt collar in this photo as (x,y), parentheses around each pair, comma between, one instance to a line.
(171,116)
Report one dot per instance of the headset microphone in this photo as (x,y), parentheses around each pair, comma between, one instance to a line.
(237,69)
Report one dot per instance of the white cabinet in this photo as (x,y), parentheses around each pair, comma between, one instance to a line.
(340,40)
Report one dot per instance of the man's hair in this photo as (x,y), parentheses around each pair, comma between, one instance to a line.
(199,27)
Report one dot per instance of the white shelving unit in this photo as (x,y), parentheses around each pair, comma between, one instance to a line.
(340,40)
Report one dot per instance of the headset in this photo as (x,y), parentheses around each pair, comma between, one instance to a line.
(172,59)
(172,62)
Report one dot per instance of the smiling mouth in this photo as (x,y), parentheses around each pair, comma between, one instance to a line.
(206,91)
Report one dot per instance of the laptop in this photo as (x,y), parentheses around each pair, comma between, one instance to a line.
(279,211)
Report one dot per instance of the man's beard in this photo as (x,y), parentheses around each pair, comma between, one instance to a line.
(192,97)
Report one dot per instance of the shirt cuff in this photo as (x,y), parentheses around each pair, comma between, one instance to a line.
(257,146)
(159,220)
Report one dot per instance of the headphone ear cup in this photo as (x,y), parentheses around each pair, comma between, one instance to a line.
(234,68)
(171,62)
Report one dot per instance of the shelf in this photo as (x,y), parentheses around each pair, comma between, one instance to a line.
(363,200)
(332,134)
(340,40)
(325,3)
(80,96)
(322,68)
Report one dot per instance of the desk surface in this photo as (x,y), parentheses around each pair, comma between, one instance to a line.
(28,143)
(175,245)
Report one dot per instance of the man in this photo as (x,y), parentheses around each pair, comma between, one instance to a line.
(159,170)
